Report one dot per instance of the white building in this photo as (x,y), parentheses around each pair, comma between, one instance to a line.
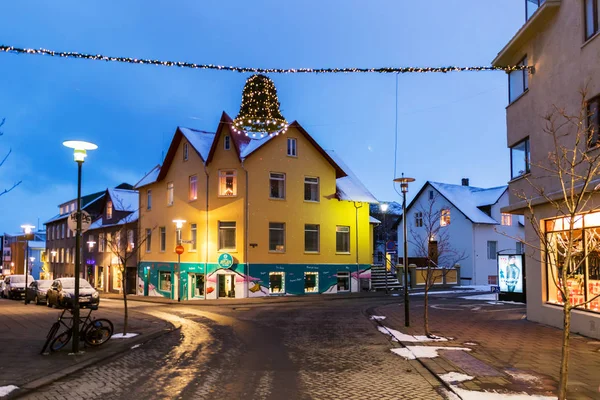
(471,219)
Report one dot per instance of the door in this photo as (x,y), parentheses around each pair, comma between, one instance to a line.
(226,286)
(130,280)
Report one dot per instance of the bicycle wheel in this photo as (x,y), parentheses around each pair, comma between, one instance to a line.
(60,341)
(102,323)
(50,336)
(97,336)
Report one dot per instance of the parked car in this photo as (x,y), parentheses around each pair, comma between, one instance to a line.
(36,291)
(14,286)
(61,293)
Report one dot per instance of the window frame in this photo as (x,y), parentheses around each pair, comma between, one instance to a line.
(148,199)
(595,21)
(186,152)
(221,228)
(193,237)
(170,194)
(316,275)
(162,239)
(506,219)
(527,158)
(109,209)
(282,290)
(193,188)
(445,217)
(280,228)
(318,231)
(227,142)
(310,184)
(492,255)
(593,127)
(223,174)
(418,219)
(345,232)
(292,147)
(148,240)
(271,179)
(101,242)
(525,80)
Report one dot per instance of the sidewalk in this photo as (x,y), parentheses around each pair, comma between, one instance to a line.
(495,349)
(23,330)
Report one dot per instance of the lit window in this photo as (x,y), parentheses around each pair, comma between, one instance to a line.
(518,82)
(193,195)
(311,189)
(519,159)
(342,239)
(109,209)
(277,282)
(170,194)
(228,183)
(101,243)
(311,282)
(492,249)
(130,241)
(311,238)
(343,281)
(149,199)
(226,235)
(277,185)
(592,17)
(445,217)
(227,142)
(164,281)
(163,238)
(193,237)
(148,240)
(185,152)
(593,121)
(276,237)
(418,219)
(506,219)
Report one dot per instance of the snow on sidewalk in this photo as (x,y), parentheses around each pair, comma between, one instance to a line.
(488,296)
(377,317)
(414,352)
(5,390)
(124,336)
(403,337)
(475,395)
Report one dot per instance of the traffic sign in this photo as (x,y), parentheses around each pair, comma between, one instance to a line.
(390,245)
(86,221)
(179,249)
(495,289)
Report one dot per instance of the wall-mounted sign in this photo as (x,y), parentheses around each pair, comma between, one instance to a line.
(225,260)
(510,272)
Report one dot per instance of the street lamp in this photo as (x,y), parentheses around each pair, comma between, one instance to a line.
(404,181)
(28,236)
(79,153)
(54,253)
(384,208)
(178,224)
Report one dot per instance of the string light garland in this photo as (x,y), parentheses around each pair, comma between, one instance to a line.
(181,64)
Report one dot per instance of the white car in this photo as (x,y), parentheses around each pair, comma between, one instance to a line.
(14,286)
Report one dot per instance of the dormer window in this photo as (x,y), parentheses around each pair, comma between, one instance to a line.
(185,152)
(109,209)
(227,142)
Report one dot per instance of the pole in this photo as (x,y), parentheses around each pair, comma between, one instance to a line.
(77,262)
(385,261)
(26,263)
(178,266)
(405,262)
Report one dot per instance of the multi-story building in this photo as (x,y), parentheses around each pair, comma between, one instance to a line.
(560,39)
(20,251)
(272,216)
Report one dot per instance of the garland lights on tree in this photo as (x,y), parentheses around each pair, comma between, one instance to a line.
(259,113)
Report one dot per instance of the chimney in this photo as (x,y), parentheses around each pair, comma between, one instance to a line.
(465,181)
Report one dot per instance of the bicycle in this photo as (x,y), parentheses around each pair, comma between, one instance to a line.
(93,332)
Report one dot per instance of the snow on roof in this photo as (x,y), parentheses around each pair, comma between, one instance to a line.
(149,178)
(124,200)
(373,220)
(349,187)
(83,207)
(247,148)
(201,140)
(468,198)
(36,244)
(134,216)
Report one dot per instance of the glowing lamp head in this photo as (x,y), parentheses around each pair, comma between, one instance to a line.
(404,181)
(32,259)
(53,252)
(27,229)
(91,244)
(179,223)
(384,207)
(80,148)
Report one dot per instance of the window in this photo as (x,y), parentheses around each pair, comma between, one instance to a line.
(311,189)
(311,238)
(109,209)
(419,219)
(445,217)
(148,240)
(226,235)
(170,193)
(311,282)
(62,255)
(277,282)
(177,237)
(291,147)
(593,121)
(228,183)
(276,237)
(592,14)
(130,240)
(518,82)
(193,236)
(163,238)
(185,152)
(277,184)
(342,239)
(193,188)
(149,199)
(227,142)
(101,243)
(531,7)
(62,233)
(431,195)
(492,249)
(110,245)
(164,281)
(68,232)
(520,248)
(68,256)
(343,281)
(506,219)
(519,159)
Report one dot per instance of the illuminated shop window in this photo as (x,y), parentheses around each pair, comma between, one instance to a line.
(277,282)
(164,281)
(311,282)
(343,281)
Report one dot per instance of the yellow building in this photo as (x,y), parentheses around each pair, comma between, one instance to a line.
(271,216)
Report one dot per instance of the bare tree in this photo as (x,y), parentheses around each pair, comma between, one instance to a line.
(431,242)
(3,161)
(571,167)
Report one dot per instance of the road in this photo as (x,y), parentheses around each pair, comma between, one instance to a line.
(315,350)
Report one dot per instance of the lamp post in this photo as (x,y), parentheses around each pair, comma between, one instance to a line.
(404,181)
(178,224)
(28,236)
(79,153)
(384,208)
(53,253)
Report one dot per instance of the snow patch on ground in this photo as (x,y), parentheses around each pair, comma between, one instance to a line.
(488,296)
(450,395)
(455,377)
(471,344)
(5,390)
(475,395)
(413,352)
(135,346)
(377,317)
(124,336)
(476,288)
(506,302)
(395,294)
(523,376)
(403,337)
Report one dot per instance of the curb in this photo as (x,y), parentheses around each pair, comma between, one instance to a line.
(32,386)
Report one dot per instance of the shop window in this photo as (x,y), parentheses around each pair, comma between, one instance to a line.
(277,237)
(311,189)
(164,281)
(226,235)
(277,282)
(228,183)
(518,81)
(198,285)
(277,185)
(311,238)
(342,239)
(311,282)
(419,219)
(343,281)
(193,188)
(445,217)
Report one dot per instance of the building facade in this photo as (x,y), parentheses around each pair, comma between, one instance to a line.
(560,40)
(471,221)
(271,216)
(18,252)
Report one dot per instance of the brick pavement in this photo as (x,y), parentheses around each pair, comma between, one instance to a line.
(508,353)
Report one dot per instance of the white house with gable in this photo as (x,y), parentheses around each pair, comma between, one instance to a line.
(474,225)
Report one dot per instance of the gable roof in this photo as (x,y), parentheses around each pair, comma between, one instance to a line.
(124,200)
(149,178)
(349,187)
(86,201)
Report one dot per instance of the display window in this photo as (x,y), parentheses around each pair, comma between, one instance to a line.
(277,282)
(311,282)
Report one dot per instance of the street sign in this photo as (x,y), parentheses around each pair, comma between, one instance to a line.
(179,249)
(390,245)
(495,289)
(86,221)
(187,241)
(225,260)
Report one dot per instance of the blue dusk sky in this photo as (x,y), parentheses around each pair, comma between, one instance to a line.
(450,125)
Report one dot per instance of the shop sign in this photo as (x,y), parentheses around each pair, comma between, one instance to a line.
(86,221)
(225,260)
(510,272)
